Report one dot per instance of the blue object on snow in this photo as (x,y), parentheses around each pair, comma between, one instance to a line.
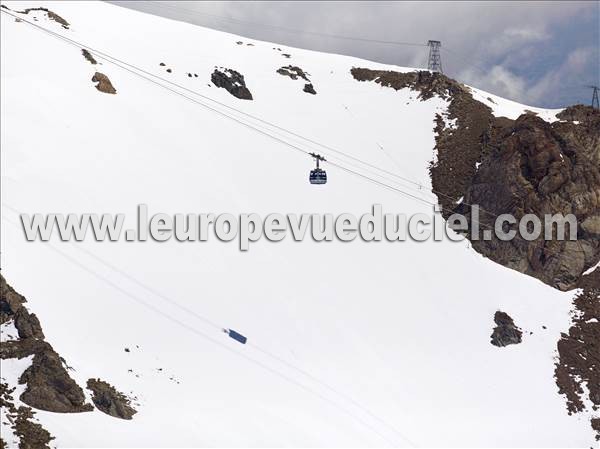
(237,336)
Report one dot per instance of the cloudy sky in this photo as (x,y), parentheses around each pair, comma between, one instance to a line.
(537,53)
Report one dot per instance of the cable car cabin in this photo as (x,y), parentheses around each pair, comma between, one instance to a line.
(236,336)
(318,176)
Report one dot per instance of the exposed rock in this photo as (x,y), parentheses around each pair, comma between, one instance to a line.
(308,88)
(18,349)
(28,325)
(104,84)
(579,349)
(426,83)
(108,400)
(591,225)
(286,55)
(51,15)
(232,81)
(169,70)
(49,386)
(293,72)
(596,426)
(162,64)
(516,167)
(87,55)
(505,333)
(10,301)
(31,435)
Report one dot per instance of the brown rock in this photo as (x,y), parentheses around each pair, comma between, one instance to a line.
(49,386)
(103,83)
(108,400)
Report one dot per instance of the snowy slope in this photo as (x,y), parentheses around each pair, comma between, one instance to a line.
(356,344)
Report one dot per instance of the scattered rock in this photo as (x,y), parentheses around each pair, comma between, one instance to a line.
(51,15)
(232,81)
(293,72)
(505,333)
(104,84)
(108,400)
(189,75)
(127,350)
(169,70)
(162,64)
(579,350)
(308,88)
(87,55)
(286,55)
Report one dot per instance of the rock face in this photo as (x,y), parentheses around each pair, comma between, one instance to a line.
(48,385)
(531,166)
(505,333)
(51,15)
(31,435)
(108,400)
(578,364)
(232,81)
(518,167)
(88,56)
(103,83)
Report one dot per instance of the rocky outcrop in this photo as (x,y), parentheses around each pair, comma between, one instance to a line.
(108,400)
(31,435)
(295,72)
(103,83)
(232,81)
(505,333)
(577,370)
(516,167)
(49,386)
(531,166)
(51,15)
(309,89)
(88,56)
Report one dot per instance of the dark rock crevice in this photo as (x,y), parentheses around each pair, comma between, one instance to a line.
(31,435)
